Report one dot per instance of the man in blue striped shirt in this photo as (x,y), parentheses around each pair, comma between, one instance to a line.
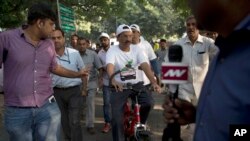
(67,91)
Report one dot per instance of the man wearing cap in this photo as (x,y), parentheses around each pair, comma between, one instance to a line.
(93,63)
(118,57)
(144,45)
(105,44)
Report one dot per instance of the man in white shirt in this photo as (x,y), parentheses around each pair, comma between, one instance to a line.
(143,45)
(117,58)
(198,51)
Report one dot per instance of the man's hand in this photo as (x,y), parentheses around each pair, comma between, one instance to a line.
(184,115)
(118,86)
(156,88)
(84,72)
(84,92)
(100,82)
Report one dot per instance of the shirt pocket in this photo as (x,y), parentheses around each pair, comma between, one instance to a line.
(202,57)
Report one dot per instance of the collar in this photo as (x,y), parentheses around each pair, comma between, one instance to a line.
(102,50)
(21,30)
(66,51)
(199,39)
(85,52)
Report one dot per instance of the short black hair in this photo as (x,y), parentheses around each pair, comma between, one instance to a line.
(163,40)
(190,17)
(59,29)
(40,10)
(82,38)
(74,35)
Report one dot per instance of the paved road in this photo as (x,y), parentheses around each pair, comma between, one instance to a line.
(155,122)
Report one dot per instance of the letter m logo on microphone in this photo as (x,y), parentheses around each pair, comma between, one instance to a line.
(174,73)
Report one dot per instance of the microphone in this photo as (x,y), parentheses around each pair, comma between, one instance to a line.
(174,73)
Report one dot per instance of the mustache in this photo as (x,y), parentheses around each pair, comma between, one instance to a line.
(190,30)
(128,41)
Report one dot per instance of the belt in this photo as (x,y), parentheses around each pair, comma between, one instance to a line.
(51,99)
(65,88)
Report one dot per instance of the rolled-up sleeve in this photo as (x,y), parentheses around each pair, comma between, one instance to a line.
(54,63)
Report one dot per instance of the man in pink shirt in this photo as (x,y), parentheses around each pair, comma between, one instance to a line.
(31,112)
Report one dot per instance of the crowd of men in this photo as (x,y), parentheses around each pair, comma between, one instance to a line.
(49,85)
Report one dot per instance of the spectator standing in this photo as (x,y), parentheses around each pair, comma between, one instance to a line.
(67,90)
(73,41)
(225,92)
(198,52)
(92,61)
(31,112)
(162,52)
(143,45)
(105,44)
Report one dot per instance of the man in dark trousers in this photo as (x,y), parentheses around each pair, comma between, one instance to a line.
(67,91)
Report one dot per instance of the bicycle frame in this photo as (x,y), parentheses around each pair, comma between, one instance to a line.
(132,121)
(133,129)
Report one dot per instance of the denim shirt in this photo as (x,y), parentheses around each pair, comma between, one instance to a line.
(225,97)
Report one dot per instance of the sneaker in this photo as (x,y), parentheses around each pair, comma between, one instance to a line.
(106,128)
(91,130)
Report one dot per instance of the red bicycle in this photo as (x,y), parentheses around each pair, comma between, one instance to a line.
(134,130)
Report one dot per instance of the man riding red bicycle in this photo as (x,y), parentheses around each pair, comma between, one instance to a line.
(119,57)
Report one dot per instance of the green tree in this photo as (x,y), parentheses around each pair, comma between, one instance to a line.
(13,12)
(182,7)
(155,17)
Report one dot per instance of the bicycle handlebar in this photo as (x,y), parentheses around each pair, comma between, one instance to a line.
(138,87)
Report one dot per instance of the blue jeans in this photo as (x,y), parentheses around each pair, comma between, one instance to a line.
(33,124)
(106,103)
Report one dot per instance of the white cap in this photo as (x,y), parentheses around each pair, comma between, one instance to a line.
(122,28)
(103,35)
(136,27)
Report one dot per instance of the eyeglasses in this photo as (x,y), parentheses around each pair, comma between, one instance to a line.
(68,60)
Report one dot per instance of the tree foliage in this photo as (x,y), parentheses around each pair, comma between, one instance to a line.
(155,17)
(10,15)
(13,13)
(182,7)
